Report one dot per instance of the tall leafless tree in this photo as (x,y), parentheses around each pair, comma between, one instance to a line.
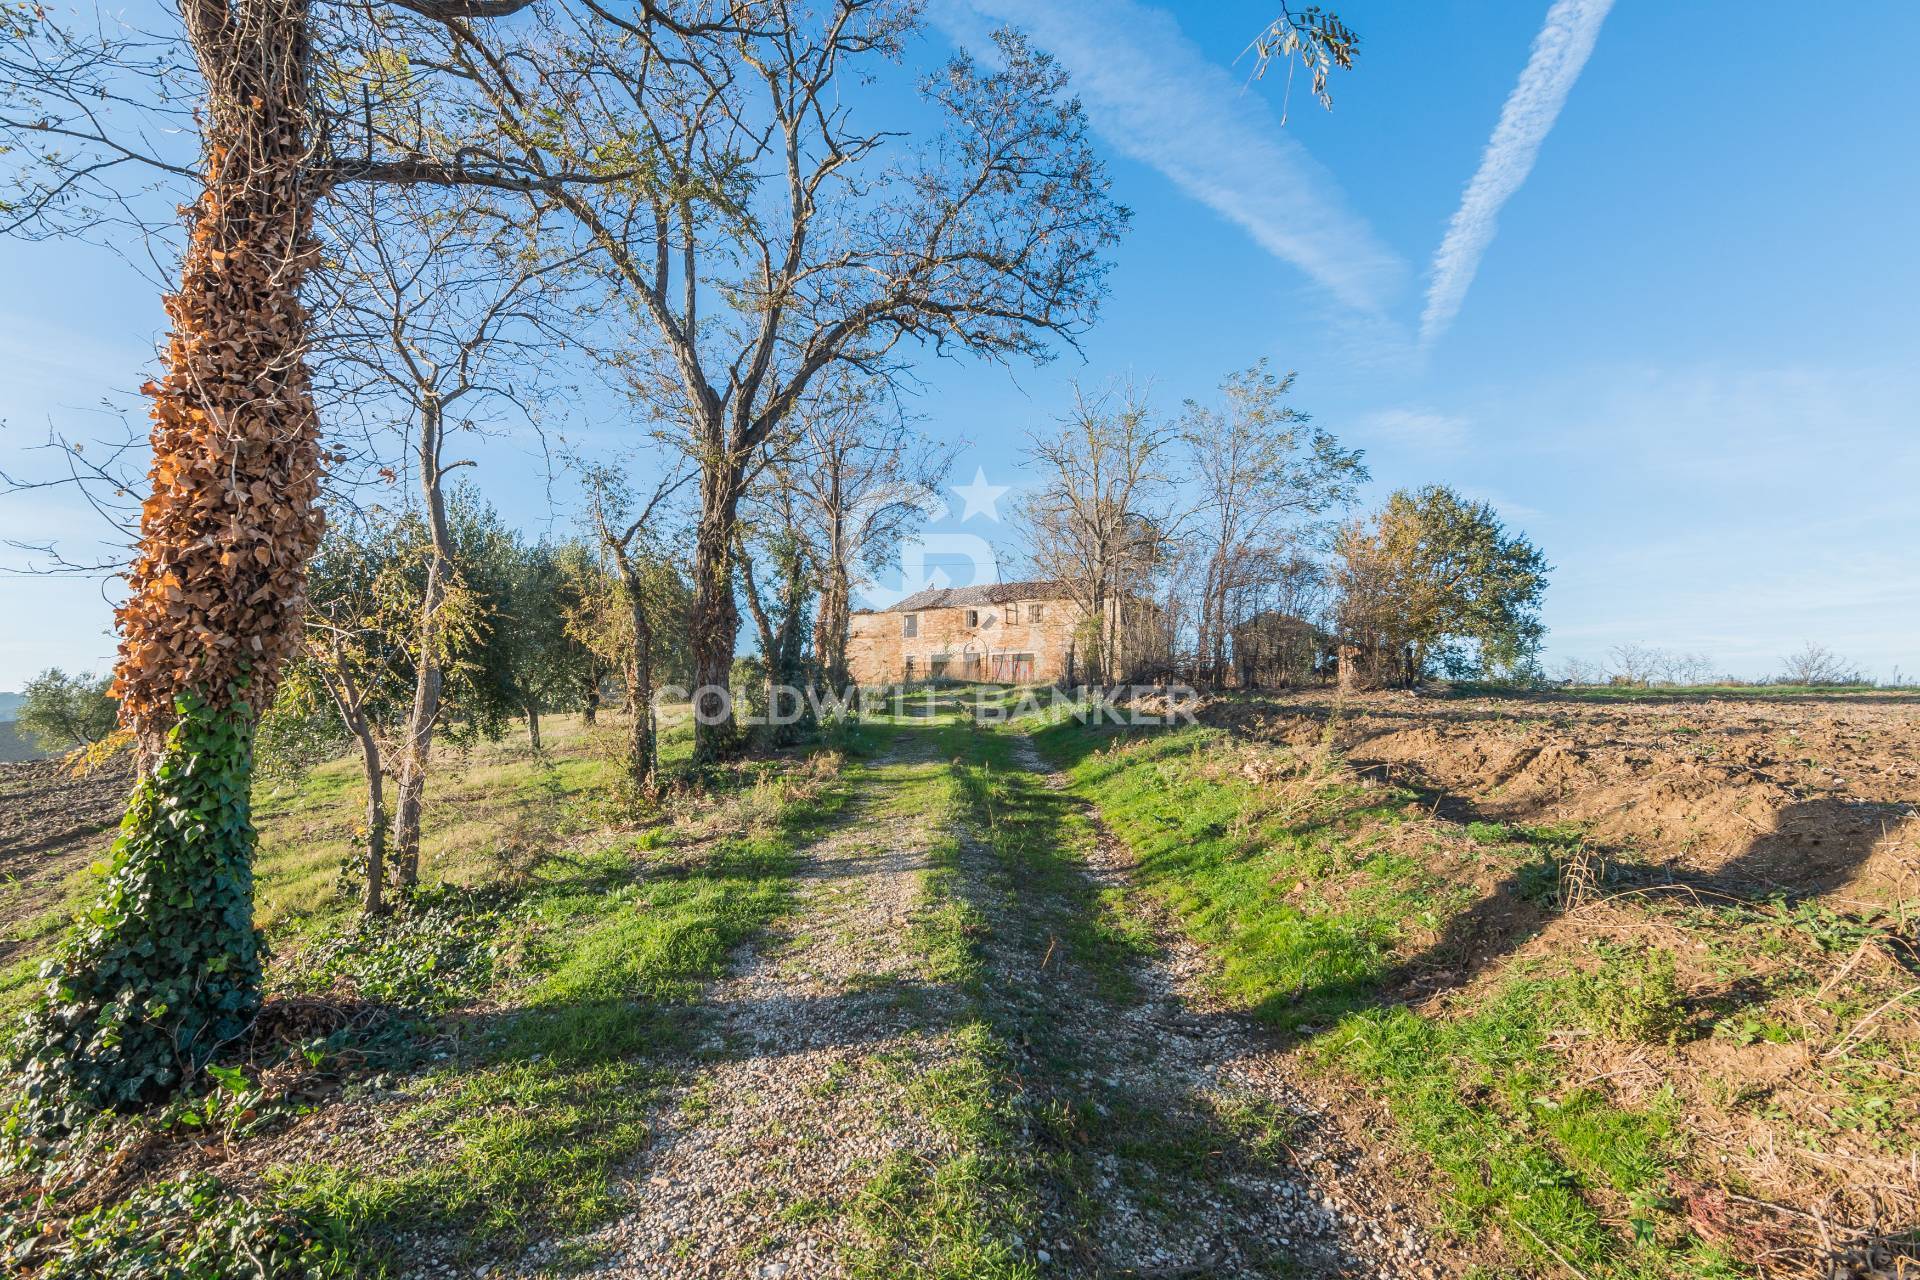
(1102,519)
(761,233)
(779,595)
(440,309)
(629,530)
(863,477)
(1259,467)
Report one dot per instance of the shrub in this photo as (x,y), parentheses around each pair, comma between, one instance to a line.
(1636,996)
(436,948)
(188,1230)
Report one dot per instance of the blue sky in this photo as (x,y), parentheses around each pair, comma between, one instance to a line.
(1685,365)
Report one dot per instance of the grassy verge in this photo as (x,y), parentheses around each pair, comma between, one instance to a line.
(543,1099)
(529,1028)
(493,810)
(1312,889)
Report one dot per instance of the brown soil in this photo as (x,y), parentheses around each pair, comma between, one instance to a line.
(1770,847)
(51,823)
(1805,795)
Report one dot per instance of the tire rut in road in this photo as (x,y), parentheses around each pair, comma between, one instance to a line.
(811,1040)
(1193,1150)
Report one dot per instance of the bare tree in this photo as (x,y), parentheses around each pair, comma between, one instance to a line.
(760,235)
(863,477)
(1101,520)
(342,684)
(442,307)
(778,598)
(630,535)
(1579,671)
(1690,668)
(1634,664)
(1282,604)
(1259,466)
(1817,664)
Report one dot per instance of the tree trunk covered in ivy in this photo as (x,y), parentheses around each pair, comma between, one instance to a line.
(643,745)
(166,966)
(833,624)
(782,623)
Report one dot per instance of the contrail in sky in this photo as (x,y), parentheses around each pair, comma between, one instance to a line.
(1559,53)
(1154,96)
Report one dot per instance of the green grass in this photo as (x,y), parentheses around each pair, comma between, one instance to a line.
(490,806)
(951,1215)
(544,1100)
(1291,958)
(1251,871)
(491,809)
(954,1216)
(1037,1132)
(538,995)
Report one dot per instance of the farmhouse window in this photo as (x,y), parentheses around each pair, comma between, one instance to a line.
(909,624)
(1033,613)
(973,617)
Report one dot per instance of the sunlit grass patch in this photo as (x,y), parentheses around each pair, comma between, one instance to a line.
(1311,888)
(549,1090)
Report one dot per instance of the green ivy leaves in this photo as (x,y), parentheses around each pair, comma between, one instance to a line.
(165,967)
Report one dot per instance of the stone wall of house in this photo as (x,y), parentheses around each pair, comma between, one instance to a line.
(1002,642)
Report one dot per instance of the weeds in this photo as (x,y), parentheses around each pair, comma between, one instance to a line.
(1635,996)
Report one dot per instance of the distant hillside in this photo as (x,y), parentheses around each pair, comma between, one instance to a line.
(15,747)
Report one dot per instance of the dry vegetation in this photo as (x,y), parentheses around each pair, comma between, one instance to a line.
(1697,914)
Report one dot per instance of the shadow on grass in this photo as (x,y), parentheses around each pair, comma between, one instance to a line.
(1325,975)
(523,1124)
(1125,1131)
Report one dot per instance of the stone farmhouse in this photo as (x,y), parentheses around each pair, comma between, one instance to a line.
(1002,632)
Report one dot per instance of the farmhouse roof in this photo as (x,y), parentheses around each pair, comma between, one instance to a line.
(985,593)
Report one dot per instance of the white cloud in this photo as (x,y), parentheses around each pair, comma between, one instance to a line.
(1510,510)
(1156,98)
(1735,511)
(1413,428)
(1560,51)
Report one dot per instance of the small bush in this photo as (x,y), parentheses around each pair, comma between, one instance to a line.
(437,948)
(1636,997)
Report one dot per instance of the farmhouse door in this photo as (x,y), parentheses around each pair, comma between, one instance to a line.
(1013,668)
